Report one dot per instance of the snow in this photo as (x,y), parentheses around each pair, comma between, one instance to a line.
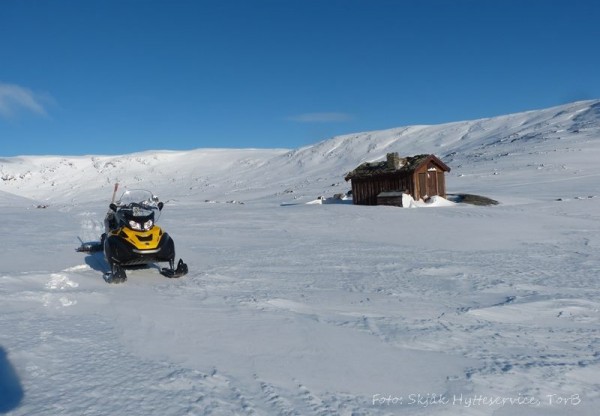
(300,308)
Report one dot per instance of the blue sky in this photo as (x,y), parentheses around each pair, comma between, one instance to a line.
(119,76)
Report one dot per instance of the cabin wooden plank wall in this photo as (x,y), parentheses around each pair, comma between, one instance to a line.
(365,191)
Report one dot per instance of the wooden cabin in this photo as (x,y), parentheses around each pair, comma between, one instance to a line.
(379,183)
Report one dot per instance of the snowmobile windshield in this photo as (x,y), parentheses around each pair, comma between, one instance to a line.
(138,196)
(137,209)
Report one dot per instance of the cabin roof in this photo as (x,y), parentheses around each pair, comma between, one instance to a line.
(407,164)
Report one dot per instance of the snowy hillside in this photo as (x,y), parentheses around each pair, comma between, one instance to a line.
(300,309)
(559,141)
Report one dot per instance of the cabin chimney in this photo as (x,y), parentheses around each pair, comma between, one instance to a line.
(394,161)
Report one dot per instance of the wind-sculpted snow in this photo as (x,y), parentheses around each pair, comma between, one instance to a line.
(314,309)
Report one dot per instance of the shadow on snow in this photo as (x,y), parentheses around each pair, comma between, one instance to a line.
(11,391)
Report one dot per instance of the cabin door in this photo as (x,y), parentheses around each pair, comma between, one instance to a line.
(428,184)
(432,188)
(422,186)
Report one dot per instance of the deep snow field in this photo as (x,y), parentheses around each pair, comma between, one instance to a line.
(293,308)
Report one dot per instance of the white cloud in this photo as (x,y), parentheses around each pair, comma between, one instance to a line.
(15,99)
(320,117)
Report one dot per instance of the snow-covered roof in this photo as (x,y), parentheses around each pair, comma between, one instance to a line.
(403,165)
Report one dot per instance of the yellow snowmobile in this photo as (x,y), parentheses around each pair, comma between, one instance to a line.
(132,238)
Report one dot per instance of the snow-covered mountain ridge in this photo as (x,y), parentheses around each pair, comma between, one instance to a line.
(565,138)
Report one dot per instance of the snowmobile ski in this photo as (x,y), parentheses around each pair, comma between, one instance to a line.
(116,275)
(90,247)
(181,270)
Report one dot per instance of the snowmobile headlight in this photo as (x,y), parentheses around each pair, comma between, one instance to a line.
(135,225)
(148,225)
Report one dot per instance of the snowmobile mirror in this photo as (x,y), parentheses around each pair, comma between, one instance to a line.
(113,207)
(160,206)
